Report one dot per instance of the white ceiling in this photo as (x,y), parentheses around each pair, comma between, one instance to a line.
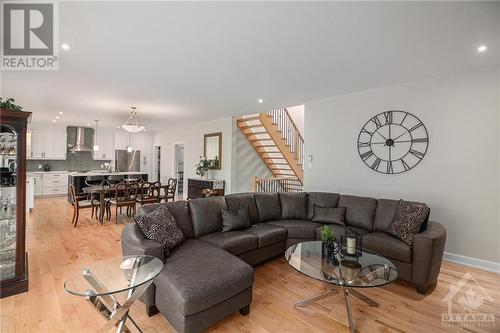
(180,62)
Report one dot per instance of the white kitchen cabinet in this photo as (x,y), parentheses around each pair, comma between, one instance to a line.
(51,183)
(60,144)
(121,139)
(47,144)
(38,184)
(36,144)
(106,150)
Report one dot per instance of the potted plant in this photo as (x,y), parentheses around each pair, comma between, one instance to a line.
(329,247)
(9,104)
(202,167)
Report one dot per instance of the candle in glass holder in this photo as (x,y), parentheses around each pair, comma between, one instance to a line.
(351,245)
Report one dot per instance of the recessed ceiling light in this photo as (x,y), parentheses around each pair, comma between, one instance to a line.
(53,120)
(57,117)
(60,112)
(88,124)
(482,48)
(261,100)
(65,47)
(118,127)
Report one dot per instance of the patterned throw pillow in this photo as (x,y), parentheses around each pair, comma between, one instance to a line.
(407,220)
(235,219)
(160,226)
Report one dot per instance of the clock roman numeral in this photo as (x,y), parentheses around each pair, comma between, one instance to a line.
(363,144)
(390,169)
(377,122)
(417,154)
(364,130)
(415,127)
(405,165)
(420,140)
(366,155)
(376,164)
(388,117)
(404,118)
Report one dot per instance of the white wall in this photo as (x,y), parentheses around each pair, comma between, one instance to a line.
(458,178)
(297,113)
(192,137)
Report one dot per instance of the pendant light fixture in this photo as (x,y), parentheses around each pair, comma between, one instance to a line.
(132,125)
(129,147)
(96,146)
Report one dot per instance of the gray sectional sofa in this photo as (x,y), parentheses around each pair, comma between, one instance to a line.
(210,275)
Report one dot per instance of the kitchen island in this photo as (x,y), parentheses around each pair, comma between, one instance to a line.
(78,178)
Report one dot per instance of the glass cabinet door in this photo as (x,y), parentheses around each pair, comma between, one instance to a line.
(8,211)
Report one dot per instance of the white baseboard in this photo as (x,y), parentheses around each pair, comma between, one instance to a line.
(473,262)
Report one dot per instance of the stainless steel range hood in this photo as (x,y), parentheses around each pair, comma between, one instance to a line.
(77,142)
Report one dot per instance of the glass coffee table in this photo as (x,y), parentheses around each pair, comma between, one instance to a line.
(102,281)
(364,270)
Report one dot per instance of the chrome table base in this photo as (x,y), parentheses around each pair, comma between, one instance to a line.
(115,313)
(347,292)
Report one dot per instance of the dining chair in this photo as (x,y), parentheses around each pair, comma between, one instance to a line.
(149,192)
(125,196)
(81,202)
(170,191)
(95,181)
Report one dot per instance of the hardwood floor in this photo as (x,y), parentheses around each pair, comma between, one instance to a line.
(56,248)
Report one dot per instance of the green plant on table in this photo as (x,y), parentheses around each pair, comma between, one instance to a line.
(327,235)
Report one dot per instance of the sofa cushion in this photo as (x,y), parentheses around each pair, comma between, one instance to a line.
(387,246)
(160,226)
(322,199)
(206,215)
(329,215)
(303,229)
(235,219)
(267,234)
(180,212)
(407,221)
(339,230)
(293,205)
(386,209)
(234,242)
(268,205)
(198,275)
(360,211)
(240,200)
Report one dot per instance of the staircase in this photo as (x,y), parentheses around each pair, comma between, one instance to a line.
(277,141)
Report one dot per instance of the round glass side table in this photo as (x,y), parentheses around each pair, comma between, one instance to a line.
(101,281)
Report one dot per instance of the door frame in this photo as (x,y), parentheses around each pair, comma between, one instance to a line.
(174,164)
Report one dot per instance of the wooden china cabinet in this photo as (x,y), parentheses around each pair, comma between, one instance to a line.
(13,256)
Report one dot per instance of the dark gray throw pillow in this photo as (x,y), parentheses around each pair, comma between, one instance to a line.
(160,226)
(329,215)
(235,219)
(407,220)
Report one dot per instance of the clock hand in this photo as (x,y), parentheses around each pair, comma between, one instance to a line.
(399,136)
(382,136)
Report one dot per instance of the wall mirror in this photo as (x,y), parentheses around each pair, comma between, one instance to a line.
(213,149)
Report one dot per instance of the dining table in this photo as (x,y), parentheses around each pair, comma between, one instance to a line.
(102,190)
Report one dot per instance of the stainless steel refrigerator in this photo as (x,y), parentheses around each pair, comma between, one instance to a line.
(127,161)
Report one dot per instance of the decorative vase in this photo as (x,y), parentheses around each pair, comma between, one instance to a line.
(205,176)
(328,251)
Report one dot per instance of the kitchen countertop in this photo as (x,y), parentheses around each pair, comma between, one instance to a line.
(80,174)
(47,172)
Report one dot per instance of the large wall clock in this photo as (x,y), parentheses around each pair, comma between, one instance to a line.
(393,142)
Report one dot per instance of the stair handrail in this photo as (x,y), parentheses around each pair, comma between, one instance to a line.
(276,184)
(292,136)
